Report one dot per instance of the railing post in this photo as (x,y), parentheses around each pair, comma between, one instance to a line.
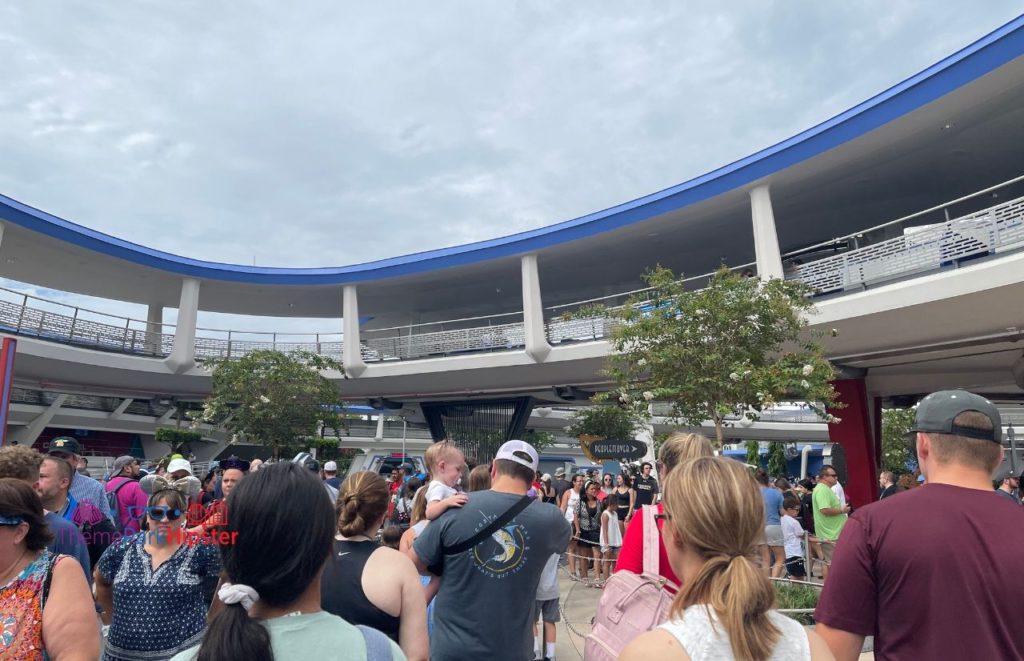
(42,322)
(273,342)
(318,344)
(74,320)
(124,338)
(229,344)
(21,315)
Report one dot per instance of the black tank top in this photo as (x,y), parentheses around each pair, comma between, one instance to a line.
(341,588)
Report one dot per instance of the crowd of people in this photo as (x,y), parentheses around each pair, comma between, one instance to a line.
(278,562)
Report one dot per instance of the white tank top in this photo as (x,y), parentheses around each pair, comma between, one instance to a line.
(704,642)
(574,501)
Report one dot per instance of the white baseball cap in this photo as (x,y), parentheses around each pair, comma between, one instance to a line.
(331,467)
(520,452)
(176,465)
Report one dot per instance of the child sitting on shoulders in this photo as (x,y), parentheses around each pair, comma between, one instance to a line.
(444,463)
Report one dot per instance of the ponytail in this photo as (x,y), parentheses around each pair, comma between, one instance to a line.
(724,532)
(234,635)
(741,596)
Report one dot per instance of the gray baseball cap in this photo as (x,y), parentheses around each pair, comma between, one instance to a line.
(936,412)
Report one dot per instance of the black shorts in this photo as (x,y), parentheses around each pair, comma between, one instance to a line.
(795,567)
(590,537)
(623,512)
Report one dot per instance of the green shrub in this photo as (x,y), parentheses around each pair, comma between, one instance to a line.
(790,595)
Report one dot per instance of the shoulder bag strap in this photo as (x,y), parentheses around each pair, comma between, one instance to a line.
(651,539)
(48,580)
(378,646)
(490,528)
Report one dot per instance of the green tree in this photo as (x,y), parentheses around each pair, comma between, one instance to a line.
(898,445)
(737,346)
(177,439)
(538,439)
(274,399)
(753,449)
(777,459)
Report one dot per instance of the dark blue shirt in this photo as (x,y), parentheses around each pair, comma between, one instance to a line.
(68,540)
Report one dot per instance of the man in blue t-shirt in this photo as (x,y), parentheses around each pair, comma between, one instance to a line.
(22,463)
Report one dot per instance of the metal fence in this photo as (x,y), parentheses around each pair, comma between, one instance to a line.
(996,230)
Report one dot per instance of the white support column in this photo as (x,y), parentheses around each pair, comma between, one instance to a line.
(183,356)
(154,328)
(351,353)
(121,408)
(766,240)
(646,436)
(28,434)
(379,436)
(537,346)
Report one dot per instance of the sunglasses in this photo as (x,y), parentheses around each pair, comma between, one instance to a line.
(162,513)
(14,520)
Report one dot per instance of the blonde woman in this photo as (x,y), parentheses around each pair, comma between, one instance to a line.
(676,449)
(714,522)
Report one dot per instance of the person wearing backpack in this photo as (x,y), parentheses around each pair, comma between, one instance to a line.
(126,498)
(725,607)
(637,597)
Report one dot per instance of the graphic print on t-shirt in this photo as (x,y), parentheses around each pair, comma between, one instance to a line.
(504,552)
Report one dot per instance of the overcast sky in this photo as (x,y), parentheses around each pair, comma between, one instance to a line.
(321,133)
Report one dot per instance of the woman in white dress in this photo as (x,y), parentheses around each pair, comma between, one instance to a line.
(725,608)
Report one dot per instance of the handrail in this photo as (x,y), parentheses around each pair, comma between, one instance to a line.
(517,313)
(906,218)
(640,291)
(81,309)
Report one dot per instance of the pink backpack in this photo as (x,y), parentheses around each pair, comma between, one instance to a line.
(630,604)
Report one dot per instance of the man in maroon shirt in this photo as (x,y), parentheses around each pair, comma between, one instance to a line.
(934,573)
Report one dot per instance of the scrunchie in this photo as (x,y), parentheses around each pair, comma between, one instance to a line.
(236,593)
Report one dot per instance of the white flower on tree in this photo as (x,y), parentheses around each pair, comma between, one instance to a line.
(648,395)
(808,370)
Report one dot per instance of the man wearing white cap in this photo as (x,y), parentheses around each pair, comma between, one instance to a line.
(331,474)
(491,552)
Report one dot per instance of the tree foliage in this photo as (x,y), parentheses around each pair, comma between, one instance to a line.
(777,459)
(753,449)
(899,449)
(603,421)
(538,439)
(737,346)
(176,439)
(274,399)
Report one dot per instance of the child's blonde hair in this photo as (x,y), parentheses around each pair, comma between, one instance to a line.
(438,452)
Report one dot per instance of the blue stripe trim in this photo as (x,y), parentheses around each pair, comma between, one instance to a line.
(983,56)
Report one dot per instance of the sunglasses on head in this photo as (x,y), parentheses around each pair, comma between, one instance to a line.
(163,513)
(14,520)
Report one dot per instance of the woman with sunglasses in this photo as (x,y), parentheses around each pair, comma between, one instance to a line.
(607,487)
(45,605)
(150,585)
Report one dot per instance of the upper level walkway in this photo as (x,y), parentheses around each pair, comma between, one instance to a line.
(862,261)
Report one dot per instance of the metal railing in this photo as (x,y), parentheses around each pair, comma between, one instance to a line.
(32,316)
(991,231)
(995,230)
(502,332)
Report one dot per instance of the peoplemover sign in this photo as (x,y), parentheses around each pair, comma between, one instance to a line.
(629,450)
